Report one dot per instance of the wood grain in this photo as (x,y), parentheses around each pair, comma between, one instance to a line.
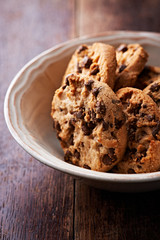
(99,16)
(36,202)
(116,216)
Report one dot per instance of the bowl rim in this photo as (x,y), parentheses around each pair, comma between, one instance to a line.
(66,167)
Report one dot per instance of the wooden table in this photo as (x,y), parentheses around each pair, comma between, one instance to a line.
(37,202)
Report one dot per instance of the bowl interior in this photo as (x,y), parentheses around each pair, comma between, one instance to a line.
(29,97)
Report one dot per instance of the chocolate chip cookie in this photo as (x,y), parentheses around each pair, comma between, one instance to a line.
(149,75)
(143,127)
(131,60)
(89,122)
(153,90)
(97,61)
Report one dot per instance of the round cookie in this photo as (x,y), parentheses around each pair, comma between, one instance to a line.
(143,127)
(153,90)
(89,122)
(97,61)
(149,75)
(131,60)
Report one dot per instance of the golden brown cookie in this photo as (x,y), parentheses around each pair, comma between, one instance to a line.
(153,90)
(89,122)
(97,61)
(143,127)
(149,75)
(131,60)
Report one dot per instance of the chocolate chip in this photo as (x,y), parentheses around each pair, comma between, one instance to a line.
(59,137)
(87,130)
(112,154)
(99,120)
(82,48)
(88,85)
(142,114)
(158,102)
(156,130)
(111,125)
(100,145)
(71,124)
(114,101)
(154,87)
(143,133)
(139,159)
(76,154)
(135,108)
(118,123)
(67,156)
(105,126)
(86,166)
(143,153)
(131,130)
(150,117)
(66,80)
(122,67)
(91,125)
(150,94)
(82,144)
(131,171)
(92,115)
(113,135)
(144,105)
(64,86)
(95,70)
(100,107)
(79,114)
(86,62)
(57,126)
(139,166)
(95,92)
(111,151)
(133,150)
(70,140)
(122,48)
(107,160)
(79,69)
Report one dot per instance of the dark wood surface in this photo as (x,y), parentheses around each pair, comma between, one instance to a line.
(37,202)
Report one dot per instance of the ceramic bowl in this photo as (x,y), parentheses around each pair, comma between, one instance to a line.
(28,103)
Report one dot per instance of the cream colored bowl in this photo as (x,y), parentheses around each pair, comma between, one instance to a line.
(28,102)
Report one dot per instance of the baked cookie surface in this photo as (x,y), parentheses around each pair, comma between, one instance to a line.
(149,75)
(97,61)
(89,122)
(153,90)
(143,127)
(131,60)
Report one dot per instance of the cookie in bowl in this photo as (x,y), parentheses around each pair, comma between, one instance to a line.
(149,75)
(97,61)
(131,60)
(143,129)
(90,123)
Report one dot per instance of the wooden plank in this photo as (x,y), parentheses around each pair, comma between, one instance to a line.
(36,202)
(116,216)
(99,16)
(101,214)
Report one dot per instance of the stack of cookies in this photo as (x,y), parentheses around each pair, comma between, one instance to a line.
(106,113)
